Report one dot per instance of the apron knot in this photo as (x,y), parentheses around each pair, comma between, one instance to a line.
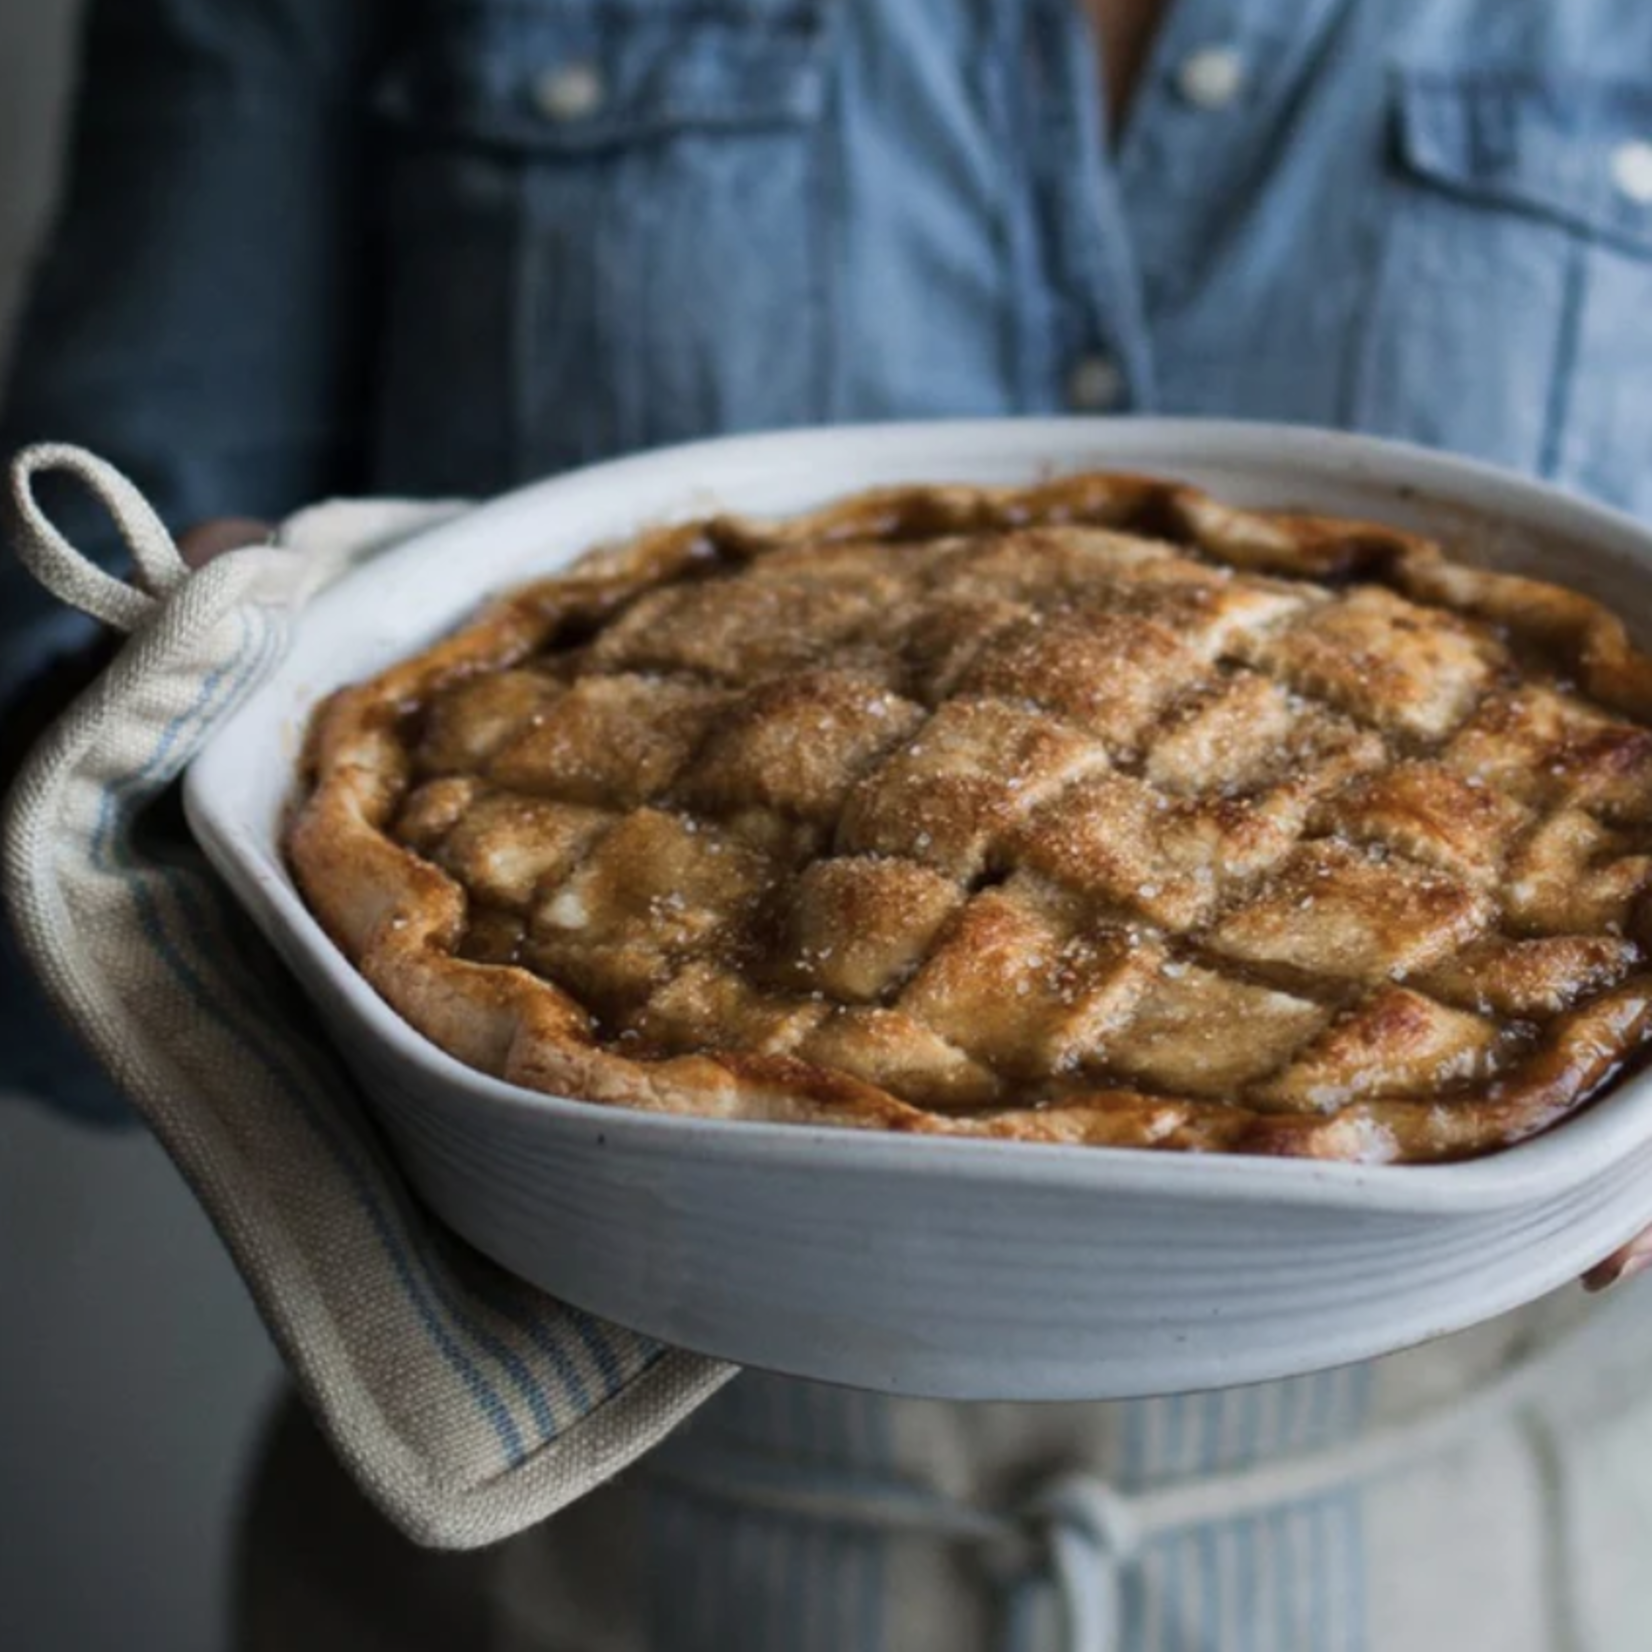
(1087,1534)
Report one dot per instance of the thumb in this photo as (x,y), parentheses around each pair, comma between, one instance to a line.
(199,545)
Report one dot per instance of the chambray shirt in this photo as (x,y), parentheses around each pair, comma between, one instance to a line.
(446,246)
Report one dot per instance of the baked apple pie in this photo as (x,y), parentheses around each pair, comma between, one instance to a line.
(1096,812)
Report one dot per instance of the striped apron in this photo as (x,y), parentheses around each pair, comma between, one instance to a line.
(1492,1490)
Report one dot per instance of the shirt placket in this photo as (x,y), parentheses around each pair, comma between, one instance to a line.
(1120,227)
(1216,92)
(1092,353)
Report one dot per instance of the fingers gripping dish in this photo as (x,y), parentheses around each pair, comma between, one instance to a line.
(1096,812)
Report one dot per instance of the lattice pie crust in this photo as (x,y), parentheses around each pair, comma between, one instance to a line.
(1097,812)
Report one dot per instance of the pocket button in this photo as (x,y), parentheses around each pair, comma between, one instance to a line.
(569,92)
(1632,171)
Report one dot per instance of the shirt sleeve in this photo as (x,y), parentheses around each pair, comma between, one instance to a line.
(200,315)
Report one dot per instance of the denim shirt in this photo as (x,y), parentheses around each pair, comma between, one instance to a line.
(445,246)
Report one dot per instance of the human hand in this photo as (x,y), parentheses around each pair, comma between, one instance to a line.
(1624,1263)
(212,539)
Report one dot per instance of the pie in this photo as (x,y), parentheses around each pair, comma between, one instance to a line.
(1096,812)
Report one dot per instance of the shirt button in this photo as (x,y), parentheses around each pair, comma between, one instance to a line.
(569,92)
(1094,385)
(1632,171)
(1212,78)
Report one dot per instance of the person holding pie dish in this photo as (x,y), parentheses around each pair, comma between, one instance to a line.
(458,249)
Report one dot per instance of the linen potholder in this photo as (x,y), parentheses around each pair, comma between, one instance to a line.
(467,1404)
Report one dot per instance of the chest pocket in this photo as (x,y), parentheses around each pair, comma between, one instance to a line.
(603,233)
(1512,314)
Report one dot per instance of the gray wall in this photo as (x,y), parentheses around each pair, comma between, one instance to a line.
(132,1370)
(35,38)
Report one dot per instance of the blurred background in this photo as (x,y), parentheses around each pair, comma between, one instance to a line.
(133,1372)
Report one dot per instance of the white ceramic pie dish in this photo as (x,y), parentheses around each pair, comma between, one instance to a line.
(918,1265)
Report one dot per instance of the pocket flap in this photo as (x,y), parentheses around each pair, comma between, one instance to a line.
(1557,146)
(585,77)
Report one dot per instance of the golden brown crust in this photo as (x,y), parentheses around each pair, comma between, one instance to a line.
(1097,812)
